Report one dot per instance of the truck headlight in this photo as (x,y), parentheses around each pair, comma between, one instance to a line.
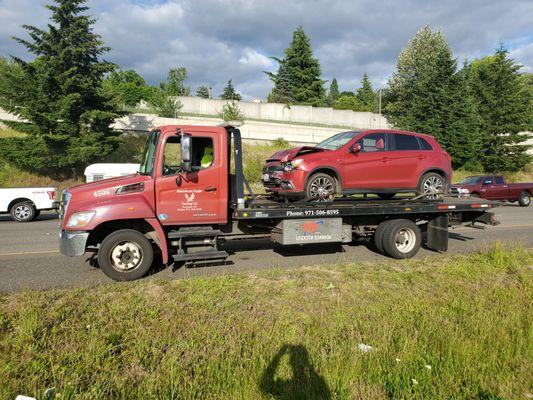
(80,219)
(463,190)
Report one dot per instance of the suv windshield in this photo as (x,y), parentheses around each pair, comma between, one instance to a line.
(337,141)
(147,161)
(472,180)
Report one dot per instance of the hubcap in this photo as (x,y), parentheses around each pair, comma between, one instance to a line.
(322,189)
(22,212)
(405,240)
(126,256)
(433,184)
(525,199)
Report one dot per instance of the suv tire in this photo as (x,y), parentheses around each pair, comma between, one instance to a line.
(432,181)
(321,187)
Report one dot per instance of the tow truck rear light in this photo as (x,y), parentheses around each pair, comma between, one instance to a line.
(476,205)
(445,207)
(51,194)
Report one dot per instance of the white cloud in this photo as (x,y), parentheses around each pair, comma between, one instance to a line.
(252,58)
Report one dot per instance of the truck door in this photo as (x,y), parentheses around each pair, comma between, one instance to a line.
(192,197)
(500,189)
(487,188)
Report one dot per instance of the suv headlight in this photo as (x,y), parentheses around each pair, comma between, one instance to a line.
(293,164)
(80,219)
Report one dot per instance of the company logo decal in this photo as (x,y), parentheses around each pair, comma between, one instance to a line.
(189,197)
(310,227)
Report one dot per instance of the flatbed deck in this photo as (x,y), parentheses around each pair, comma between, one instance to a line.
(346,207)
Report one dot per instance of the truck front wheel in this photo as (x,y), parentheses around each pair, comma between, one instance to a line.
(524,200)
(125,255)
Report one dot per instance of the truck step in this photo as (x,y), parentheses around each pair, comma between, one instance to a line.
(194,233)
(206,255)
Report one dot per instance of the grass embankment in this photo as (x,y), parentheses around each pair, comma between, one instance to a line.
(439,328)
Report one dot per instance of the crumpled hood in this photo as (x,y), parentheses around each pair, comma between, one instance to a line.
(289,154)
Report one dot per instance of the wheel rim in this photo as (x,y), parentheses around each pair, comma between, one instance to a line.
(433,184)
(322,189)
(405,240)
(525,199)
(22,212)
(126,256)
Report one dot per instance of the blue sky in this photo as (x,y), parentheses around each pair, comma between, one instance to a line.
(217,40)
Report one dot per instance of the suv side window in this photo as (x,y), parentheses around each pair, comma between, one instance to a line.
(424,145)
(373,142)
(406,142)
(499,180)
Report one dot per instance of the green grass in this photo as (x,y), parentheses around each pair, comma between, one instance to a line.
(283,334)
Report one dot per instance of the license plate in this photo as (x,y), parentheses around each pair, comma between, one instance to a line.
(266,177)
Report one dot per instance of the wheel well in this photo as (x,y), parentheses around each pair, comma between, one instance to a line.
(330,172)
(98,234)
(18,201)
(435,170)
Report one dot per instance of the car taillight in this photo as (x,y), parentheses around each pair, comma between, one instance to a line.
(51,194)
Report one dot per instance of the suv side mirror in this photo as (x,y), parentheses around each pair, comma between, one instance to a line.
(356,148)
(186,152)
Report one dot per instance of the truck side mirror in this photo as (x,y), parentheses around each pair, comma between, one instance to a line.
(186,152)
(356,148)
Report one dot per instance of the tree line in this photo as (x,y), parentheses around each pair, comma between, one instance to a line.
(70,96)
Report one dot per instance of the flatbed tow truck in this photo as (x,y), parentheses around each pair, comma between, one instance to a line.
(185,204)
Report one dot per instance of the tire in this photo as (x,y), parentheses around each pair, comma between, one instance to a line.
(37,214)
(525,199)
(401,239)
(321,187)
(23,211)
(378,235)
(386,196)
(125,255)
(432,181)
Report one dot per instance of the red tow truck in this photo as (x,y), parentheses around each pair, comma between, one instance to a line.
(185,204)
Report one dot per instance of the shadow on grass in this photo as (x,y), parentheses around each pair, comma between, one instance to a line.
(304,383)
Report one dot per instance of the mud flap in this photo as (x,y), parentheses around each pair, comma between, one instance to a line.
(437,234)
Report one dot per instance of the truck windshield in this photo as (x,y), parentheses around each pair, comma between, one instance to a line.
(472,180)
(148,158)
(337,141)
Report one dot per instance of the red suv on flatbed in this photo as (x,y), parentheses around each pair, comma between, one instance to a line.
(384,162)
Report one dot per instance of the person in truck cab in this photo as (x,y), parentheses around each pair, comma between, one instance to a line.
(207,159)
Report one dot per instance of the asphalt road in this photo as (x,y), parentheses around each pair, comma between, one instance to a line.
(29,258)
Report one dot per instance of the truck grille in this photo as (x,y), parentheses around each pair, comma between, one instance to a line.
(63,204)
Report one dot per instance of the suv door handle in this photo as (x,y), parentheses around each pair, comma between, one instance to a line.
(421,157)
(385,159)
(210,189)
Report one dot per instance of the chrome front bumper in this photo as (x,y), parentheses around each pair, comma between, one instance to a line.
(72,244)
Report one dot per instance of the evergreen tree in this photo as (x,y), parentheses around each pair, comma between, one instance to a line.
(503,102)
(174,86)
(59,93)
(282,91)
(299,73)
(366,95)
(334,93)
(347,103)
(203,92)
(426,95)
(230,93)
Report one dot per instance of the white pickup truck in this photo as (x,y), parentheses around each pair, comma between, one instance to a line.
(25,204)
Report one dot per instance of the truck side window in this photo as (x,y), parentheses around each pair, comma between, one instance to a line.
(488,180)
(202,153)
(499,180)
(172,156)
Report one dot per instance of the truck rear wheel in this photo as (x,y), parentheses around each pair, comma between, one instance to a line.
(378,235)
(23,211)
(125,255)
(401,238)
(524,200)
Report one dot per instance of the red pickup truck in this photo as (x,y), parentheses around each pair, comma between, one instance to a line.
(494,187)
